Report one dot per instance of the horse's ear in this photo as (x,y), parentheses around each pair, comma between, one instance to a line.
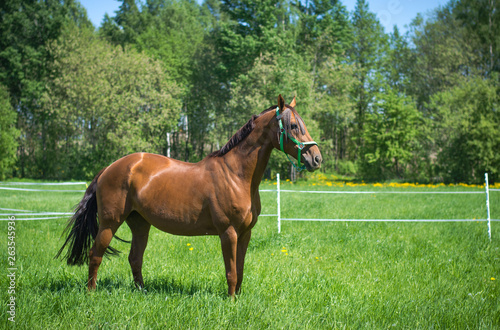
(281,103)
(292,104)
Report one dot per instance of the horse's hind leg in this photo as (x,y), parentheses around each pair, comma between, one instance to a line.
(140,233)
(102,240)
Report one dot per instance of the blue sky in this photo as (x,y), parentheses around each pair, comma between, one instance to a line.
(389,12)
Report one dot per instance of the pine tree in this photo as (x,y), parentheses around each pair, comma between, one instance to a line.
(366,52)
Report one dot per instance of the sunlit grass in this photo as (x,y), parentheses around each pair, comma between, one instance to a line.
(312,275)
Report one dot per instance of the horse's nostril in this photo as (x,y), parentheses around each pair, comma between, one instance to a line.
(317,159)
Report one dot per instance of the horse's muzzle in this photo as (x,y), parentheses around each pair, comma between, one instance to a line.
(312,161)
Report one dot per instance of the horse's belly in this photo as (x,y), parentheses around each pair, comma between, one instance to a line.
(183,226)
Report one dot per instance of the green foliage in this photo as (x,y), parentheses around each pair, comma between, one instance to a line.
(442,55)
(106,103)
(467,127)
(26,28)
(366,51)
(335,111)
(398,62)
(254,27)
(8,134)
(480,21)
(390,136)
(174,36)
(126,26)
(324,29)
(258,89)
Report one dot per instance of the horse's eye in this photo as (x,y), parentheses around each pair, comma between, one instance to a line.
(294,126)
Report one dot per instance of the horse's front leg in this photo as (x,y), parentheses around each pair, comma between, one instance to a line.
(243,241)
(229,242)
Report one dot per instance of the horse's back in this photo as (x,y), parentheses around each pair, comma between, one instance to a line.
(171,195)
(119,182)
(121,174)
(137,169)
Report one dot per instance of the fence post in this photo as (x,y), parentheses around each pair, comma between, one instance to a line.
(279,201)
(488,217)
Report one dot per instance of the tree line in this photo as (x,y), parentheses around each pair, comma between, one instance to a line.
(178,77)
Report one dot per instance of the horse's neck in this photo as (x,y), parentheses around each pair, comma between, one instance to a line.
(250,157)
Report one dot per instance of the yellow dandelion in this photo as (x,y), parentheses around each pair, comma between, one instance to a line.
(191,249)
(188,244)
(493,278)
(283,250)
(317,258)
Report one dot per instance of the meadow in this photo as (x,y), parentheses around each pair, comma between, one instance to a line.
(312,275)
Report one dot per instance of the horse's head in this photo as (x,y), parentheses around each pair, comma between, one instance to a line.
(294,139)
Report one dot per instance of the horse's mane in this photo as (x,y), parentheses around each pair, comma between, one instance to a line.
(246,129)
(239,136)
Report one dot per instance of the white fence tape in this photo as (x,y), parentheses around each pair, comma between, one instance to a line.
(487,190)
(59,215)
(49,190)
(381,192)
(42,183)
(42,218)
(31,214)
(389,220)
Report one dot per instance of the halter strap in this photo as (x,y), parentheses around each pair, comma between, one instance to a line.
(301,145)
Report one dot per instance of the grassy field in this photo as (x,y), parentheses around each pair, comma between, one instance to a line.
(312,275)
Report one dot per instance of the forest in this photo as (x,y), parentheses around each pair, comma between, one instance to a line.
(178,78)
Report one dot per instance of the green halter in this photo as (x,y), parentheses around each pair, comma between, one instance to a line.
(301,145)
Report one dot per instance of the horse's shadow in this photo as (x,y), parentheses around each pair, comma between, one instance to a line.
(157,285)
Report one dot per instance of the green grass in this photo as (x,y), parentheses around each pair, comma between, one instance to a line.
(312,275)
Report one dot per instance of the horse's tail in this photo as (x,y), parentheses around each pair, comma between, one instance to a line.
(83,227)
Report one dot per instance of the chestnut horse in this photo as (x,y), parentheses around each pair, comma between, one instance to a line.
(217,196)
